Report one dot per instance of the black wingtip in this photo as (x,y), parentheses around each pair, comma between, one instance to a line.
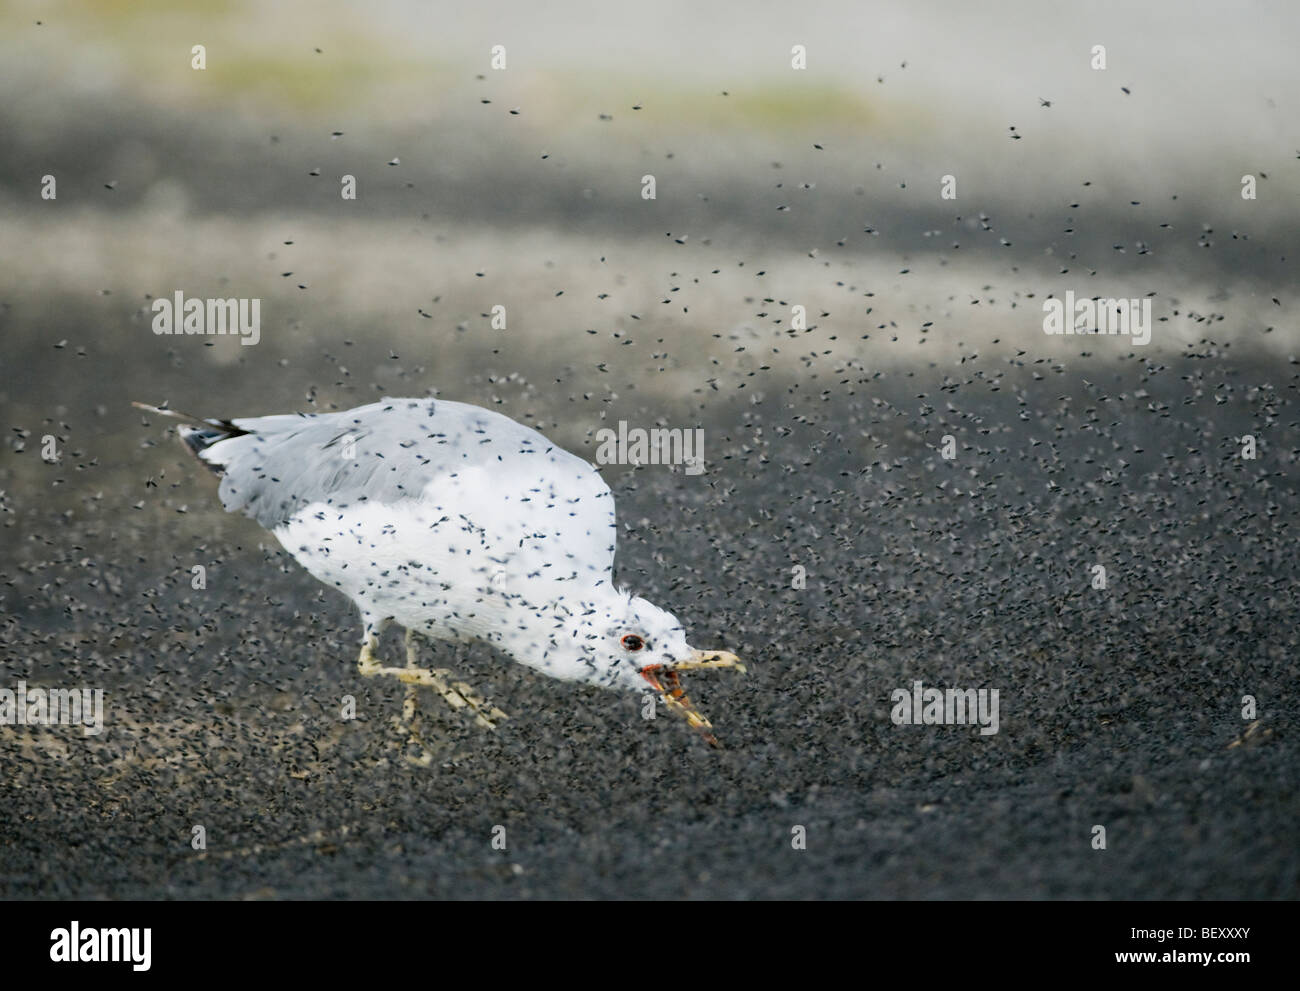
(202,435)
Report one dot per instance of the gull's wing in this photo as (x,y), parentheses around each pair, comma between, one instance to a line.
(464,461)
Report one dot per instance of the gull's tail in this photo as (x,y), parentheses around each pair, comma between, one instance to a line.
(202,435)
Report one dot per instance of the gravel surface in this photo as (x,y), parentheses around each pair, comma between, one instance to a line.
(1119,707)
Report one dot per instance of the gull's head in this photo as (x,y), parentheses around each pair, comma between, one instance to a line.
(618,640)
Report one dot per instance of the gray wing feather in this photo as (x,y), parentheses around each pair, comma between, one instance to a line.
(385,452)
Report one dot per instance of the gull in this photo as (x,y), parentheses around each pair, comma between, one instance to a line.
(460,525)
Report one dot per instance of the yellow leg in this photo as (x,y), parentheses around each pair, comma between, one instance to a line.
(369,666)
(458,695)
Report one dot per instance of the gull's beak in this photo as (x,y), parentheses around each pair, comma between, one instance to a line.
(664,680)
(709,659)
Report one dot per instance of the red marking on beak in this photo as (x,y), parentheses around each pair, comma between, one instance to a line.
(668,684)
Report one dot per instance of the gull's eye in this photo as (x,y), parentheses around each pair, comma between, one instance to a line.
(632,642)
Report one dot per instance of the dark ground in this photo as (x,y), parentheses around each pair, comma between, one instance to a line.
(1119,707)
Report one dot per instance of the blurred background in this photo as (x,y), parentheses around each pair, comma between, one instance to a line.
(522,187)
